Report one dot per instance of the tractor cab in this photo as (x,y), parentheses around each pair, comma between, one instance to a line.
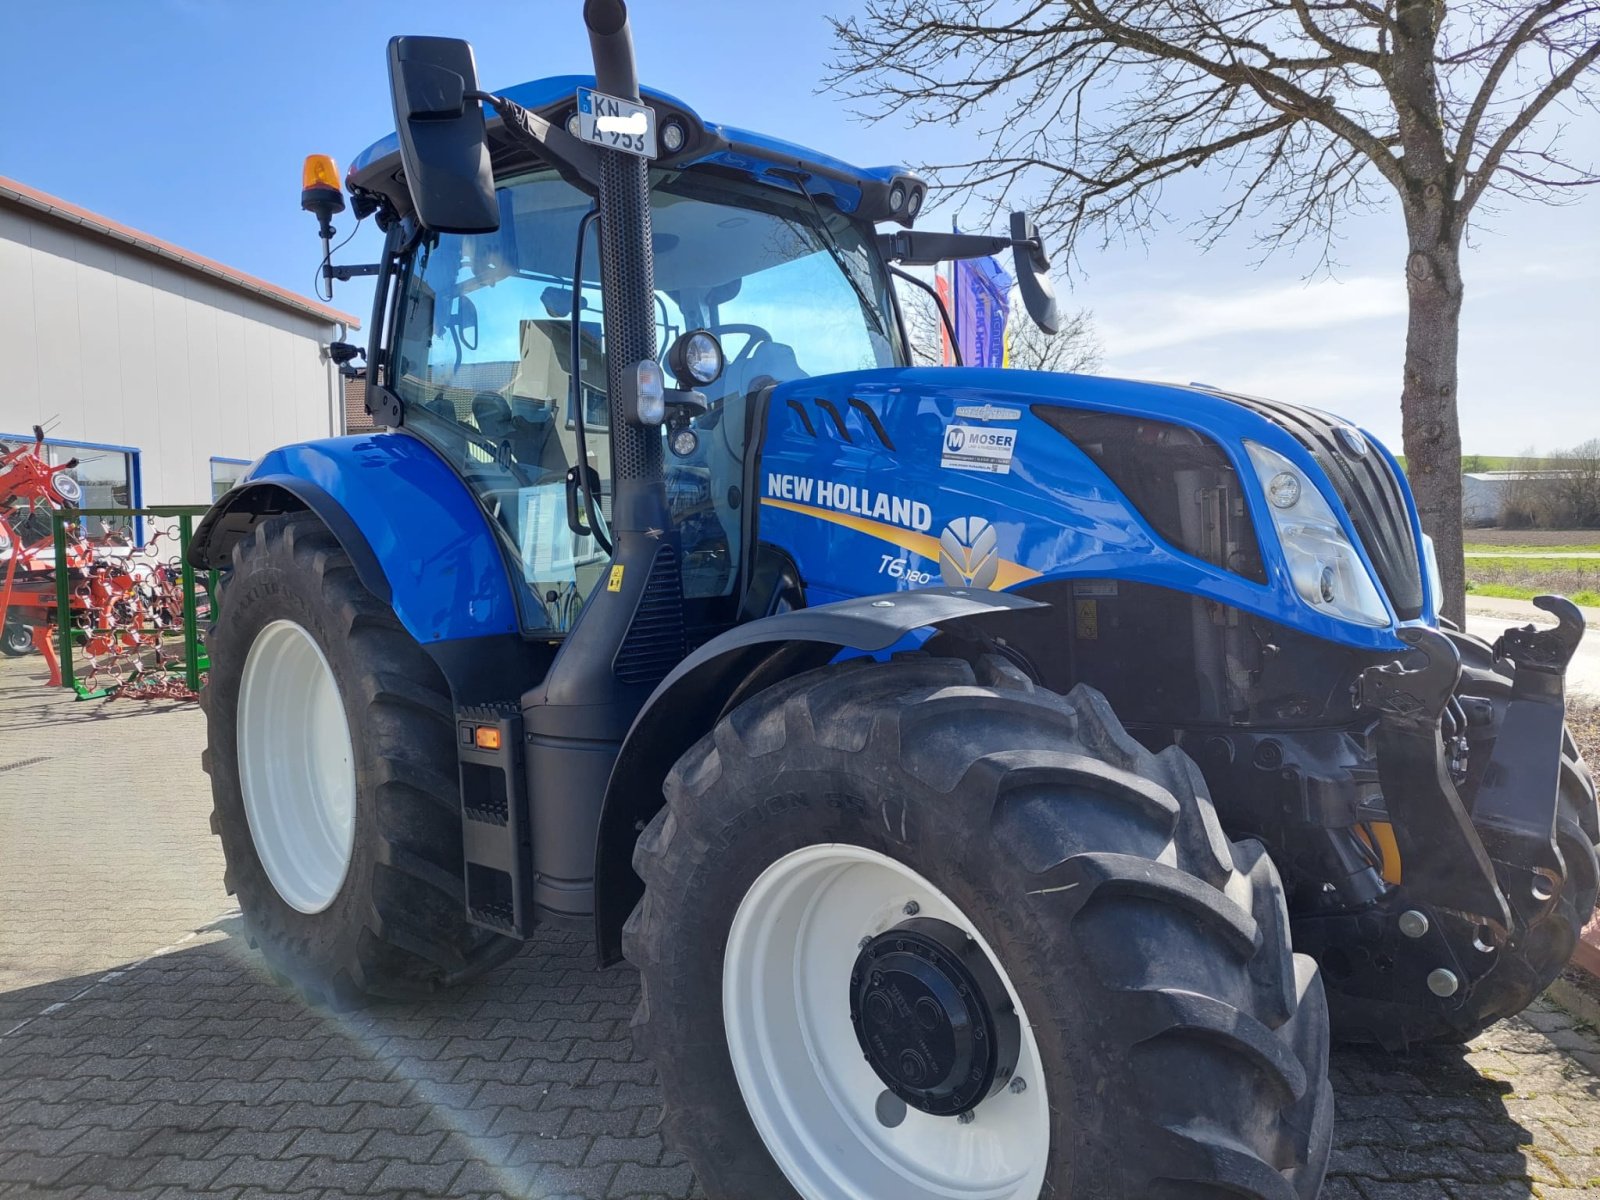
(498,358)
(496,345)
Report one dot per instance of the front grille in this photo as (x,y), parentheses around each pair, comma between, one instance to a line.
(1371,495)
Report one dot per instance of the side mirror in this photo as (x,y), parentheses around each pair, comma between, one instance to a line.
(1033,273)
(443,145)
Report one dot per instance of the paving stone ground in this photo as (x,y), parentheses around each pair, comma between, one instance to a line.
(189,1072)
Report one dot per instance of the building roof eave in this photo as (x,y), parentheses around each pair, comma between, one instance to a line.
(22,196)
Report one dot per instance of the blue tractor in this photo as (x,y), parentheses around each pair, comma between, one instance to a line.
(978,765)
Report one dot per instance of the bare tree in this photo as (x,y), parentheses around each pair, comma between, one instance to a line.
(1310,109)
(1074,348)
(924,329)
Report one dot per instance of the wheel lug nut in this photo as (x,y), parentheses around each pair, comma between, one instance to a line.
(1442,982)
(1019,1085)
(1413,923)
(912,908)
(966,1118)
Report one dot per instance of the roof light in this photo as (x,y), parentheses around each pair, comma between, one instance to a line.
(673,136)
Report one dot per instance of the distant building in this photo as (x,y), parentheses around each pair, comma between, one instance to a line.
(1484,493)
(163,372)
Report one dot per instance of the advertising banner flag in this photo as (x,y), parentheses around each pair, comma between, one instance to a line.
(982,303)
(947,353)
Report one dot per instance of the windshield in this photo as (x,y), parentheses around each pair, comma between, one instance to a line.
(483,360)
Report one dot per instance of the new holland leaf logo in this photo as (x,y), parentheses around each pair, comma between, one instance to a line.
(969,553)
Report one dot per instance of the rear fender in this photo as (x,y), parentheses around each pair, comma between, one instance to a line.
(417,537)
(725,672)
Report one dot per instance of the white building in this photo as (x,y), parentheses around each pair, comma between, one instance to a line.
(1484,493)
(163,372)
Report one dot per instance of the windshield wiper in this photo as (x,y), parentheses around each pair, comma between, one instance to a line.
(868,305)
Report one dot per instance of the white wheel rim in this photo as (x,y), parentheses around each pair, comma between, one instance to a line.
(810,1092)
(296,767)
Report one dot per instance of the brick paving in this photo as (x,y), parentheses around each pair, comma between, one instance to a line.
(188,1072)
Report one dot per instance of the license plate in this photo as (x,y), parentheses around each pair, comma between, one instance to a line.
(616,124)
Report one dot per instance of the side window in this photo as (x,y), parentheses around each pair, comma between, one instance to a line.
(225,472)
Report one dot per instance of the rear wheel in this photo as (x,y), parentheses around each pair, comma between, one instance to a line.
(333,774)
(910,931)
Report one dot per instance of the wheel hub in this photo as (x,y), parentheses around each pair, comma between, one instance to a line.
(933,1017)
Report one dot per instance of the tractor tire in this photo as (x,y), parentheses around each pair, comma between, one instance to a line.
(16,639)
(1536,955)
(375,748)
(1171,1044)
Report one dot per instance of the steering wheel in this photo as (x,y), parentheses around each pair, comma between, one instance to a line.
(757,336)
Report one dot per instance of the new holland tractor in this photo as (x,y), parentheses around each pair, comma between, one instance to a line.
(977,765)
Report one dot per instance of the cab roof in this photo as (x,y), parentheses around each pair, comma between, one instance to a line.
(861,191)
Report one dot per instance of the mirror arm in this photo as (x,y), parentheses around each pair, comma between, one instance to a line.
(920,248)
(575,161)
(347,273)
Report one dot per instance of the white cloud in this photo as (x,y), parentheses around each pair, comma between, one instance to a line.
(1136,323)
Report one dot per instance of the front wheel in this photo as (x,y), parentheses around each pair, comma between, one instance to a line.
(918,932)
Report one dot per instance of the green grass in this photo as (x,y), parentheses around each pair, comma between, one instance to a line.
(1503,549)
(1511,591)
(1524,577)
(1473,463)
(1531,563)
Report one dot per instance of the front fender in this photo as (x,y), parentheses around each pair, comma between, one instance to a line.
(723,673)
(416,536)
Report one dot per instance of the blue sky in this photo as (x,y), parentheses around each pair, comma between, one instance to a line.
(189,119)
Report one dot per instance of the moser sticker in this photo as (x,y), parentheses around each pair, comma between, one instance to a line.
(987,412)
(846,497)
(975,448)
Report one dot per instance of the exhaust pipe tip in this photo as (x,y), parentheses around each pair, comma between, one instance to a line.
(605,17)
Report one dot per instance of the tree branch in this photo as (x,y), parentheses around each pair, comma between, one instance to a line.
(1480,177)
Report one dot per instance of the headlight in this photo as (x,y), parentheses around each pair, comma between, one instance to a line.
(1325,568)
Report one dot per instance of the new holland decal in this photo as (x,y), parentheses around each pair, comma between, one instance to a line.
(967,549)
(847,498)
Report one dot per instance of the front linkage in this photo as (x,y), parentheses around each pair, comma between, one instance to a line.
(1480,881)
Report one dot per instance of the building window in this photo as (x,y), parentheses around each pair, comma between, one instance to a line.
(108,475)
(225,472)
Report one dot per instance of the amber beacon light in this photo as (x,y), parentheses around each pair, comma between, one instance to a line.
(319,188)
